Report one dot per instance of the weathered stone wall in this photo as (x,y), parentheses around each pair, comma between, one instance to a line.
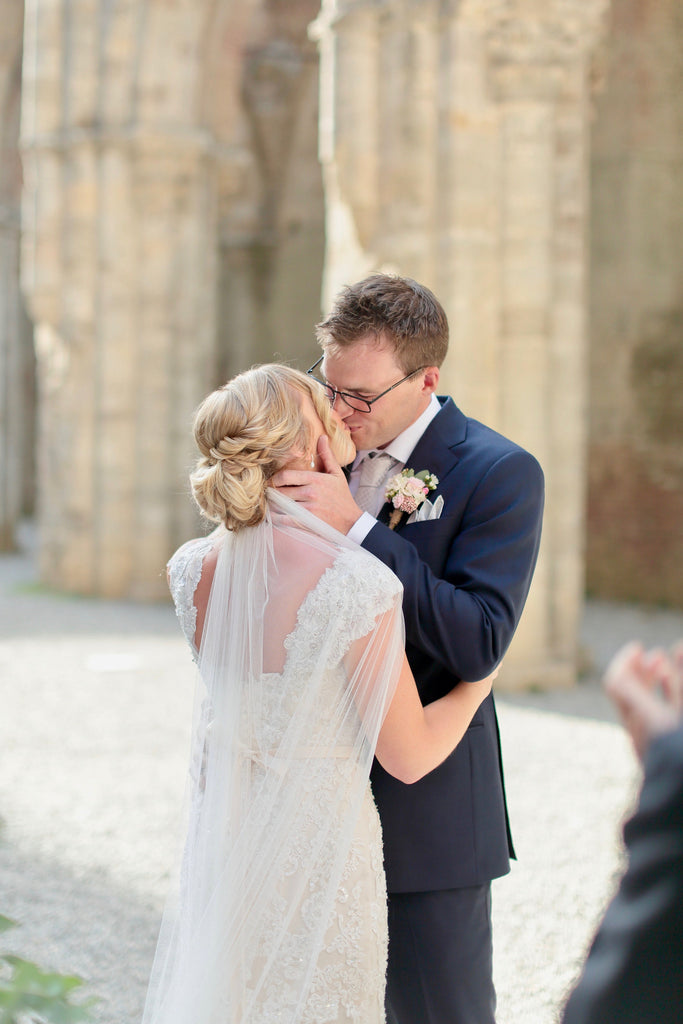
(15,362)
(454,139)
(635,490)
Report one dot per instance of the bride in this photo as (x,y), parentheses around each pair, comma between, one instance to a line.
(298,636)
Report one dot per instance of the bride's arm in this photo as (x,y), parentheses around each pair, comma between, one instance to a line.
(414,739)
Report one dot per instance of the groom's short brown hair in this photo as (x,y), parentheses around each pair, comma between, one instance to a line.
(399,309)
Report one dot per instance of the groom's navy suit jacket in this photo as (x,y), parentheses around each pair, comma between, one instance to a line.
(465,576)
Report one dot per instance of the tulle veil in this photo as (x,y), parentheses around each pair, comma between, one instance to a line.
(289,605)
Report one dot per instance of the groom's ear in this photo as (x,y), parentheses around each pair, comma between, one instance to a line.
(431,379)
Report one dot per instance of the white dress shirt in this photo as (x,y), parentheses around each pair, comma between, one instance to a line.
(400,448)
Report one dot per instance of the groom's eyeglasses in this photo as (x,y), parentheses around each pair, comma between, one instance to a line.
(355,401)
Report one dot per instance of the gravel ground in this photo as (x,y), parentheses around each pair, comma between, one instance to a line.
(94,732)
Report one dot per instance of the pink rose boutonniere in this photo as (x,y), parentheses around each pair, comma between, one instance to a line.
(406,491)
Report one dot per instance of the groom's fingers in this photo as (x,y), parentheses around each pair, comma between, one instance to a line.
(305,486)
(330,464)
(326,495)
(286,478)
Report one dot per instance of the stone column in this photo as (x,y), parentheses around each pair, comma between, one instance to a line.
(14,400)
(119,266)
(540,75)
(478,114)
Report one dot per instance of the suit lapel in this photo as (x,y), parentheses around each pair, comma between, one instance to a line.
(436,451)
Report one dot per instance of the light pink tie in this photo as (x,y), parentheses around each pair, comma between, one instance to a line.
(374,470)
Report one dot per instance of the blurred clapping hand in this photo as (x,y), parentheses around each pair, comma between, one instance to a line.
(647,689)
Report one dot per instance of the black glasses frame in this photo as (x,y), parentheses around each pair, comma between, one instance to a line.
(369,402)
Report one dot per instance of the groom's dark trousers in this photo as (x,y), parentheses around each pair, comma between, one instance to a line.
(453,980)
(465,577)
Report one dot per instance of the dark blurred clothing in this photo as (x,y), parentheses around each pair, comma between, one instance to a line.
(634,971)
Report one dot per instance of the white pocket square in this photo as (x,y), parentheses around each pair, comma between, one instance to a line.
(426,511)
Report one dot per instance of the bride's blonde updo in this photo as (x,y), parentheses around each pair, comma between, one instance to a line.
(249,429)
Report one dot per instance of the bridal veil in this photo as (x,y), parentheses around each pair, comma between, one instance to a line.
(300,653)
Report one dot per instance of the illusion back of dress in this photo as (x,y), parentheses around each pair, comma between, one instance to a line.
(282,874)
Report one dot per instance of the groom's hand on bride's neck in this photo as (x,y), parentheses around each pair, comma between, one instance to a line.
(325,494)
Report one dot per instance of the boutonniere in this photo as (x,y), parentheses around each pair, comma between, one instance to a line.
(406,491)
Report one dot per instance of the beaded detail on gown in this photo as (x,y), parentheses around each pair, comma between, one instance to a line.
(347,984)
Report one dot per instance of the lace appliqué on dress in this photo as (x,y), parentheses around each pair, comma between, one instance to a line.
(343,607)
(184,573)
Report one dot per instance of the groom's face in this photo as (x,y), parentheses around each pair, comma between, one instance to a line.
(367,368)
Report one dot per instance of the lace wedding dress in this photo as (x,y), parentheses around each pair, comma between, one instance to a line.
(282,910)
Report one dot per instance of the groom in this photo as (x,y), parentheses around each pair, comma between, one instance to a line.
(466,565)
